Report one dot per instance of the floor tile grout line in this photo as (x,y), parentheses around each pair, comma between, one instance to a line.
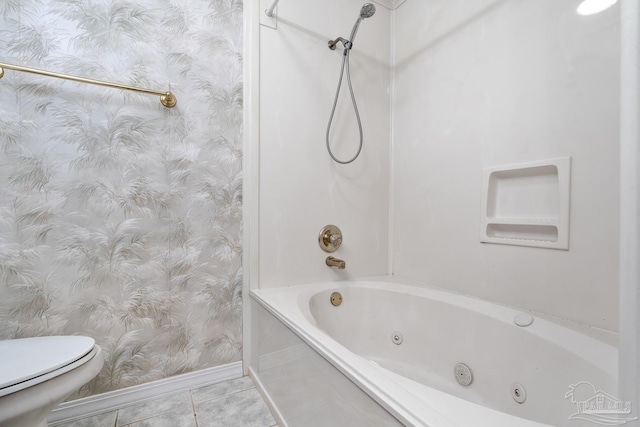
(245,387)
(193,408)
(164,396)
(226,395)
(149,417)
(250,386)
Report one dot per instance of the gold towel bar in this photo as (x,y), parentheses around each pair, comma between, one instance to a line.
(166,98)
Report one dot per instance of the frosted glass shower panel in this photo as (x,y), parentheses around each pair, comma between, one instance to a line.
(527,204)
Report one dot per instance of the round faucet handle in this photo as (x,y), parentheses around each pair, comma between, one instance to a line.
(330,238)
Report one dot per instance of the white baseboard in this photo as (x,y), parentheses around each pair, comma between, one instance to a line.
(277,415)
(100,403)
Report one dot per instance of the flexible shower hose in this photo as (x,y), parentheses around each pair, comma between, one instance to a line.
(345,64)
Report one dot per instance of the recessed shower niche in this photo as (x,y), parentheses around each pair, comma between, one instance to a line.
(527,204)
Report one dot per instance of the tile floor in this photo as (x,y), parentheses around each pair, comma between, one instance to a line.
(234,403)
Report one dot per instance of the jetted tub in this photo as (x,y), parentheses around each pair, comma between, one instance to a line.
(401,344)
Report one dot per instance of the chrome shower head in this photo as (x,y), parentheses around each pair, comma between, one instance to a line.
(367,11)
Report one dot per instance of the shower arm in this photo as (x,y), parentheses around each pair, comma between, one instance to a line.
(269,12)
(346,43)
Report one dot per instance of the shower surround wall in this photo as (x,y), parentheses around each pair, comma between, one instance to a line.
(475,85)
(494,83)
(301,188)
(121,218)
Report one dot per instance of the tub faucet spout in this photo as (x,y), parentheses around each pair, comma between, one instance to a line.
(335,262)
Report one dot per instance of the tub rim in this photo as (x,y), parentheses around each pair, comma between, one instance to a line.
(398,396)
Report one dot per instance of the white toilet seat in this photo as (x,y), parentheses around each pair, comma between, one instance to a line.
(31,361)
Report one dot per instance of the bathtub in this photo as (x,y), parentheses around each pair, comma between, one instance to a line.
(400,344)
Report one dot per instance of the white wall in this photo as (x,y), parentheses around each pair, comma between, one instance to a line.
(490,83)
(112,203)
(629,367)
(301,188)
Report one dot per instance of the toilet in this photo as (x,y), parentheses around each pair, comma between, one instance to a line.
(36,374)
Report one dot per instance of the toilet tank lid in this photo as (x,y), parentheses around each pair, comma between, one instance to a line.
(26,358)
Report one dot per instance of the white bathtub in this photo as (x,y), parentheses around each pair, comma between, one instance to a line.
(414,380)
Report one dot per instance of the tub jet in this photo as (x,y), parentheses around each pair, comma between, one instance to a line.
(463,374)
